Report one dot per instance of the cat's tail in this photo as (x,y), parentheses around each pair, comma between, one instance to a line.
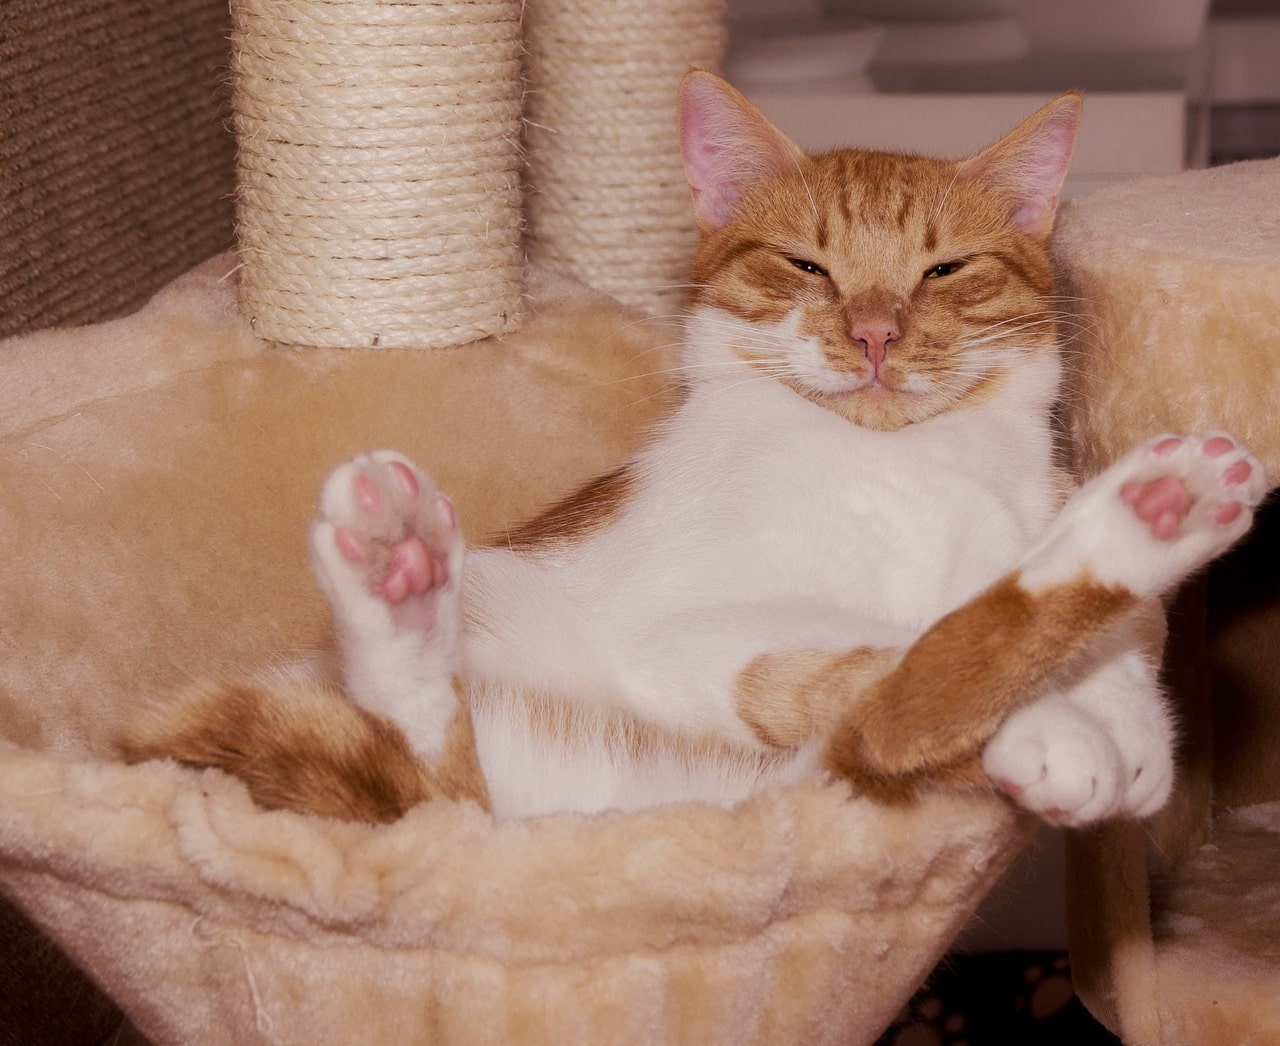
(298,744)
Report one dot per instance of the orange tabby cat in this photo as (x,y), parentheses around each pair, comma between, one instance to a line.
(846,551)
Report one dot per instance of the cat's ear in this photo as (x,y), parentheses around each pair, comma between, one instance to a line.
(1027,166)
(728,146)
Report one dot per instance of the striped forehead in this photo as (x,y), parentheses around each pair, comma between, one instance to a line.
(878,187)
(865,198)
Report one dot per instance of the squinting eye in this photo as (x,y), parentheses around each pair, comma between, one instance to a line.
(945,269)
(812,268)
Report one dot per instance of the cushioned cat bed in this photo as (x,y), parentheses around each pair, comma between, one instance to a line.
(1173,289)
(159,474)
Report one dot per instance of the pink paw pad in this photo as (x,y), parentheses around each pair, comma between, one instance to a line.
(1162,504)
(384,536)
(1228,513)
(351,545)
(409,573)
(1238,473)
(1007,786)
(368,497)
(404,475)
(447,511)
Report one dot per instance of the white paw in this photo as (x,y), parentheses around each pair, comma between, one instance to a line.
(1063,765)
(387,550)
(1154,517)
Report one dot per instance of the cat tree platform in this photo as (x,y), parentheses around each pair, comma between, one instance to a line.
(1172,292)
(155,518)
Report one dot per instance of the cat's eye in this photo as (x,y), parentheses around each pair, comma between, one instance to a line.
(804,265)
(945,269)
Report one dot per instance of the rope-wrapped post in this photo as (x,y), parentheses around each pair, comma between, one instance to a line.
(607,199)
(378,169)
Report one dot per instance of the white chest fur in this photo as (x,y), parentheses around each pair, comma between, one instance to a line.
(754,495)
(756,521)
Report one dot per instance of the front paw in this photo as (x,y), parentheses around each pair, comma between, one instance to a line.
(1154,517)
(1058,762)
(1184,487)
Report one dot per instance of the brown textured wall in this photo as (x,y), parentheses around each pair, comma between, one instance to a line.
(116,174)
(116,165)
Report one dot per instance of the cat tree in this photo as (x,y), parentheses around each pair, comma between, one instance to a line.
(608,202)
(159,471)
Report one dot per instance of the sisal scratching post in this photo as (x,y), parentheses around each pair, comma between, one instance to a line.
(378,199)
(608,202)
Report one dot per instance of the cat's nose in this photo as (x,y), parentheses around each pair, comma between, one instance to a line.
(875,337)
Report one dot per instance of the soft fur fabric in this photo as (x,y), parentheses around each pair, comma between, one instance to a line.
(1174,291)
(801,917)
(159,474)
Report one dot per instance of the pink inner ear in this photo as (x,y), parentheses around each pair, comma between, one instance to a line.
(1048,157)
(728,146)
(1029,165)
(714,197)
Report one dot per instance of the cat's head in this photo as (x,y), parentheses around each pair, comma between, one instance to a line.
(887,288)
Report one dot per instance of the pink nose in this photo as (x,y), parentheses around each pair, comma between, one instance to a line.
(875,337)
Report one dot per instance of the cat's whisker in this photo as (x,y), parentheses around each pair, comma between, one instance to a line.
(690,285)
(750,377)
(1071,328)
(1005,332)
(1006,343)
(1069,299)
(679,369)
(1012,333)
(1044,317)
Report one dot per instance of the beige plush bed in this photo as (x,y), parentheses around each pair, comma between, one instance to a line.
(159,473)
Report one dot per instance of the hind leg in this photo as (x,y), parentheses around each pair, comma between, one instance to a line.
(387,551)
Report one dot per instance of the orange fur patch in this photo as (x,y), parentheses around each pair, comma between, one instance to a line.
(934,713)
(786,698)
(590,508)
(298,745)
(457,773)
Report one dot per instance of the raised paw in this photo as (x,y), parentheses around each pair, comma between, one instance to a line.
(386,546)
(1206,482)
(1157,515)
(1061,764)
